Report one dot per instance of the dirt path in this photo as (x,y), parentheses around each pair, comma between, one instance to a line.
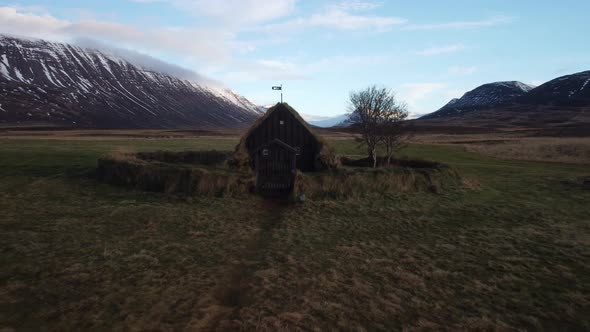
(234,292)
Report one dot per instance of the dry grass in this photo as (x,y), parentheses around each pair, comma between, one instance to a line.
(115,263)
(377,269)
(145,171)
(356,183)
(184,173)
(563,150)
(466,139)
(516,145)
(79,255)
(471,183)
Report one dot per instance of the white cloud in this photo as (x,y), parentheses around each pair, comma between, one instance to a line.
(265,69)
(13,21)
(413,93)
(489,22)
(342,62)
(357,5)
(460,70)
(341,16)
(215,58)
(147,62)
(240,12)
(291,69)
(343,20)
(442,50)
(235,11)
(161,40)
(219,55)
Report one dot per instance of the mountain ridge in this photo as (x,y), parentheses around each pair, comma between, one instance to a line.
(62,84)
(484,96)
(567,90)
(561,104)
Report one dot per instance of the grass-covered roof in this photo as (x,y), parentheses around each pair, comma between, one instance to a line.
(325,155)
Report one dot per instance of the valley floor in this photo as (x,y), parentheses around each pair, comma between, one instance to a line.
(517,146)
(510,249)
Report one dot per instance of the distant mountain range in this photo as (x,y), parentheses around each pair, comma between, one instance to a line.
(46,83)
(485,96)
(328,121)
(317,120)
(57,84)
(564,101)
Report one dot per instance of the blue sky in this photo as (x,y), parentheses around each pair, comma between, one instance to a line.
(426,51)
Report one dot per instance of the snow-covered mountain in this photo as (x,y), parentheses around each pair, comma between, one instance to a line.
(561,105)
(483,97)
(263,108)
(44,82)
(326,121)
(569,90)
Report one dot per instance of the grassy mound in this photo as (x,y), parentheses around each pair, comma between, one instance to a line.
(208,173)
(182,173)
(359,182)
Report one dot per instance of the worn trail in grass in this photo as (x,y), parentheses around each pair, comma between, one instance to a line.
(234,292)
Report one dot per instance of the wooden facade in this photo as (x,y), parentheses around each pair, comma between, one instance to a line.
(285,125)
(279,144)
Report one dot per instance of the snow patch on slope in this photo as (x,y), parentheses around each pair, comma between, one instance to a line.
(4,72)
(515,84)
(106,82)
(229,96)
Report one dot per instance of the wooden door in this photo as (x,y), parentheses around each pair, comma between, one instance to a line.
(275,171)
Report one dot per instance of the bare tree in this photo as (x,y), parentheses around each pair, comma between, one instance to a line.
(393,129)
(368,110)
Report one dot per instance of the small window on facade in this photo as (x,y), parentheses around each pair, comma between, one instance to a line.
(282,122)
(265,152)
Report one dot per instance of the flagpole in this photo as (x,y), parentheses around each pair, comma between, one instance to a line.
(279,87)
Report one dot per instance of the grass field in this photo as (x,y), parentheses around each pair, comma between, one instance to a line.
(519,146)
(508,250)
